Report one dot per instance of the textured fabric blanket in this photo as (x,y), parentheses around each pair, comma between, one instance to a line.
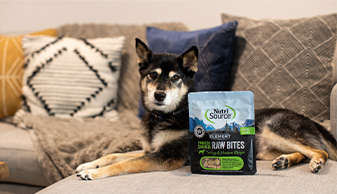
(62,144)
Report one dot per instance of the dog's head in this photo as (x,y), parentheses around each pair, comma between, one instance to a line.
(166,78)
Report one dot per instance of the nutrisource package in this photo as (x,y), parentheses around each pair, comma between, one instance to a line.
(222,132)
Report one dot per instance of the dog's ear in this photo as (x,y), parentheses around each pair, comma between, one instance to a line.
(143,52)
(190,59)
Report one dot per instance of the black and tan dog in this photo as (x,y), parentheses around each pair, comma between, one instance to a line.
(166,79)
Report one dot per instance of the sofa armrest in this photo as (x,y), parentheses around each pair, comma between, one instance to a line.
(333,111)
(334,66)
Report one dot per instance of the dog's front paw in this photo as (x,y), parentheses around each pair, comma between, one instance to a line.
(280,163)
(85,175)
(316,165)
(91,174)
(86,166)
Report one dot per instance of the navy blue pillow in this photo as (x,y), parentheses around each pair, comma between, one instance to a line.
(216,46)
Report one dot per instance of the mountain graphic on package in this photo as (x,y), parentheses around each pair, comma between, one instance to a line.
(248,123)
(233,126)
(194,122)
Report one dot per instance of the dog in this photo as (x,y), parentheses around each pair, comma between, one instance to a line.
(283,136)
(165,81)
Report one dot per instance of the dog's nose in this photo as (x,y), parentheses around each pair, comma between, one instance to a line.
(160,96)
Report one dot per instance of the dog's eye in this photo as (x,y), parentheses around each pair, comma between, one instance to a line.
(175,78)
(153,75)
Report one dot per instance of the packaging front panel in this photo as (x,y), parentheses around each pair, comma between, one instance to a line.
(222,132)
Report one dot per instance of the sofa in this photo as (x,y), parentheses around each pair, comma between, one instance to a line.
(274,59)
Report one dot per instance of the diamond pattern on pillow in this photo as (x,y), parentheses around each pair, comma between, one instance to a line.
(71,77)
(286,63)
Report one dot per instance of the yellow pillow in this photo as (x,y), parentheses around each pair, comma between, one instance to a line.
(11,71)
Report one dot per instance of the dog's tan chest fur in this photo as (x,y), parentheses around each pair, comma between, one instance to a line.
(162,138)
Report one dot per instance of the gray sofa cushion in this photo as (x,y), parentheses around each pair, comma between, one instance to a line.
(297,179)
(18,152)
(9,188)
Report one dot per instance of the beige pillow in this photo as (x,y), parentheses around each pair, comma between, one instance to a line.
(67,77)
(286,63)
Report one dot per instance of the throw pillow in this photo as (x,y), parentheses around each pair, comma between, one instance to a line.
(216,46)
(286,63)
(11,63)
(71,77)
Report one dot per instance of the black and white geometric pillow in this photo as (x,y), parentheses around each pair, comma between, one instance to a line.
(67,77)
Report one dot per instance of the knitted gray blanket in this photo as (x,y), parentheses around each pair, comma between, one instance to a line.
(63,144)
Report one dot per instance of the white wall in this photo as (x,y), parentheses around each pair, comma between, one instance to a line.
(26,15)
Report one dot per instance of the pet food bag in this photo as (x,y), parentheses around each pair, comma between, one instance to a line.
(222,132)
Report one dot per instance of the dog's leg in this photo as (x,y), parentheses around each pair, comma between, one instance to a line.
(146,163)
(170,156)
(107,160)
(287,160)
(318,159)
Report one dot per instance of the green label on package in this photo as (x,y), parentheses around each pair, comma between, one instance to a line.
(247,130)
(221,163)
